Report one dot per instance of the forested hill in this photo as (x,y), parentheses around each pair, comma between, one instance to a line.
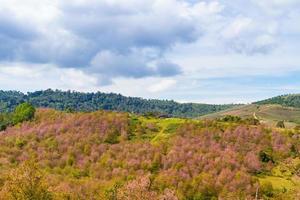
(78,101)
(291,100)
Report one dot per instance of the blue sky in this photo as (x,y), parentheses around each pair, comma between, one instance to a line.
(188,50)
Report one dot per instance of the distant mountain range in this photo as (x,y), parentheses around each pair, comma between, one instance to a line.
(78,101)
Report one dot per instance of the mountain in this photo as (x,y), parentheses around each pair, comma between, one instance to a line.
(122,156)
(290,100)
(86,102)
(269,114)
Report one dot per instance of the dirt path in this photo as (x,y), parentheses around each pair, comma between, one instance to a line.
(254,116)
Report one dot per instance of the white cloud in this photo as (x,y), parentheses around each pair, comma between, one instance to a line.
(137,63)
(20,70)
(133,45)
(73,34)
(247,36)
(238,26)
(31,11)
(162,85)
(72,78)
(30,77)
(277,7)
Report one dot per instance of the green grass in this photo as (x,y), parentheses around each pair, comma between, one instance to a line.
(283,176)
(279,183)
(157,129)
(168,128)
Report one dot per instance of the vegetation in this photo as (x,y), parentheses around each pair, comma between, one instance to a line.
(116,156)
(269,114)
(237,119)
(26,182)
(77,101)
(23,112)
(280,124)
(291,100)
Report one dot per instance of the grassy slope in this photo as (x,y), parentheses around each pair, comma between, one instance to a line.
(268,114)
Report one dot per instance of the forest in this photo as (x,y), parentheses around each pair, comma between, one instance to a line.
(291,100)
(86,102)
(109,155)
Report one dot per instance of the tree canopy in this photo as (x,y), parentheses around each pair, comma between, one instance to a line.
(291,100)
(86,102)
(23,112)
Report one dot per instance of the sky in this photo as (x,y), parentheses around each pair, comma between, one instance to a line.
(226,51)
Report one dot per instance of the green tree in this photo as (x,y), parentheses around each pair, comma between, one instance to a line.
(112,137)
(4,121)
(86,102)
(23,112)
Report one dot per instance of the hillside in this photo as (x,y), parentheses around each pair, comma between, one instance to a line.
(77,101)
(290,100)
(120,156)
(268,114)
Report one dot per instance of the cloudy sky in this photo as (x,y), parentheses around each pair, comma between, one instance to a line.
(188,50)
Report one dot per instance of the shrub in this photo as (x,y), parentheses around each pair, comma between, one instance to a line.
(3,126)
(20,142)
(252,121)
(5,120)
(231,118)
(280,124)
(23,112)
(267,189)
(111,193)
(266,156)
(112,137)
(26,183)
